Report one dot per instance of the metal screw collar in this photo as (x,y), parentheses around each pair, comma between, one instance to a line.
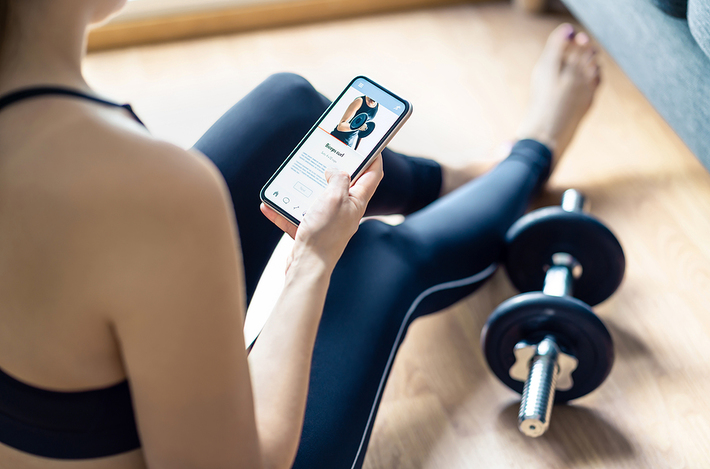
(544,368)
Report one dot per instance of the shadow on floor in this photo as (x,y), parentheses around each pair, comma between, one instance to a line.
(576,435)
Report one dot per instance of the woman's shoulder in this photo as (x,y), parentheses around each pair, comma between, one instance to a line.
(141,177)
(112,159)
(96,146)
(106,199)
(129,151)
(97,166)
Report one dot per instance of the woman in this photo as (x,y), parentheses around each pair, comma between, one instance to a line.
(356,122)
(124,280)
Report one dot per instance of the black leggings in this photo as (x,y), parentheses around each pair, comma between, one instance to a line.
(388,275)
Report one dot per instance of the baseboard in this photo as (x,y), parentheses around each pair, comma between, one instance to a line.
(245,18)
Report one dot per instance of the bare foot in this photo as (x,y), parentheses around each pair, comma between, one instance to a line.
(563,84)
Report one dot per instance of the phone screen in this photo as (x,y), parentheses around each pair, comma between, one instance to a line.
(347,136)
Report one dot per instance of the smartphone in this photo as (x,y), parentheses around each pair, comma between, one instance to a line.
(353,130)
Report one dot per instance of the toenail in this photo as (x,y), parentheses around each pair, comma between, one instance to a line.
(570,31)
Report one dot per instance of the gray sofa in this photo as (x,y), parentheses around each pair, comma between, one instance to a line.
(659,54)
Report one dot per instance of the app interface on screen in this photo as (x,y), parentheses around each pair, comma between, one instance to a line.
(345,137)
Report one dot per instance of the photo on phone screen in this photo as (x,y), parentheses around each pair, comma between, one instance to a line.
(347,136)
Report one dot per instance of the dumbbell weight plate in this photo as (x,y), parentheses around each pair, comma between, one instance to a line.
(358,121)
(531,317)
(537,236)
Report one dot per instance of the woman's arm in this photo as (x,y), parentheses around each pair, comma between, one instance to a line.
(174,295)
(344,125)
(280,361)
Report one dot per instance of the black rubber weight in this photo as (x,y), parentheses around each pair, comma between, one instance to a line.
(531,317)
(534,238)
(358,121)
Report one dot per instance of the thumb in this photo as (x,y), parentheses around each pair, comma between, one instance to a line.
(338,181)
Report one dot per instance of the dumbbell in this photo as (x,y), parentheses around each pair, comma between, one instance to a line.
(358,121)
(549,345)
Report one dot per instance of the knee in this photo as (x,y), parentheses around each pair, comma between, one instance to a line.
(294,98)
(293,88)
(288,81)
(397,243)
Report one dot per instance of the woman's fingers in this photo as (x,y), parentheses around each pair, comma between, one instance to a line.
(328,207)
(278,220)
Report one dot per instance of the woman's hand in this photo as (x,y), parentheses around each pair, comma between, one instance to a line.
(334,216)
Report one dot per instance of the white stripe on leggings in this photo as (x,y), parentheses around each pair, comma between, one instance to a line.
(436,288)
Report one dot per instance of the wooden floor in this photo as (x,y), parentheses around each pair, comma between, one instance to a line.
(466,70)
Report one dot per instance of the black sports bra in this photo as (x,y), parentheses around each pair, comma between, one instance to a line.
(38,91)
(66,425)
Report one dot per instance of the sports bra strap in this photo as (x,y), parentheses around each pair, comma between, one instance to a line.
(34,92)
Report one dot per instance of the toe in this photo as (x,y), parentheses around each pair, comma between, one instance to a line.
(562,34)
(573,54)
(589,55)
(592,70)
(581,51)
(560,39)
(582,39)
(587,49)
(588,61)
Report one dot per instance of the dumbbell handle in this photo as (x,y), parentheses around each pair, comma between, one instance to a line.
(558,281)
(573,201)
(559,277)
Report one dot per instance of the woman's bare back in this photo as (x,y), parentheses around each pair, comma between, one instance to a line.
(66,168)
